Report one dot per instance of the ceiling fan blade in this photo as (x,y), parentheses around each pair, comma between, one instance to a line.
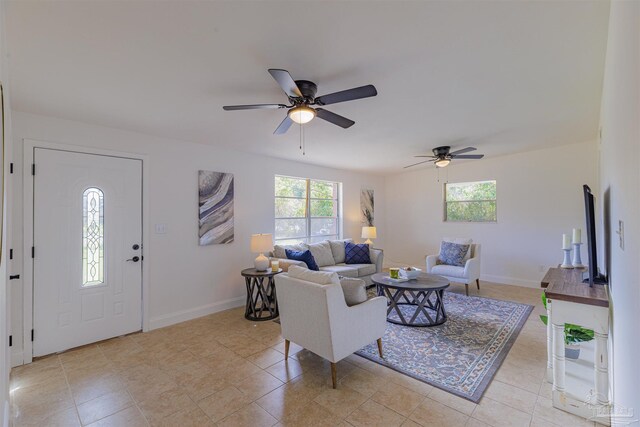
(334,118)
(284,126)
(431,157)
(416,164)
(253,107)
(347,95)
(468,156)
(464,150)
(286,82)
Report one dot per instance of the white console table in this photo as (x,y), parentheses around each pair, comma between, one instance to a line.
(571,301)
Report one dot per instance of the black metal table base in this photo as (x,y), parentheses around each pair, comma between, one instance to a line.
(429,304)
(262,303)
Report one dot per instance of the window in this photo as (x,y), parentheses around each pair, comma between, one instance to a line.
(306,210)
(92,237)
(470,201)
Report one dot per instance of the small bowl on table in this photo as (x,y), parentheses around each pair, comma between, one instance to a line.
(410,273)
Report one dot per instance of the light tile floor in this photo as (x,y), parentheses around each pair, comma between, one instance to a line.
(224,370)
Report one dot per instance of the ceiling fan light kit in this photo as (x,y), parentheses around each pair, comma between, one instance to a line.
(441,163)
(302,114)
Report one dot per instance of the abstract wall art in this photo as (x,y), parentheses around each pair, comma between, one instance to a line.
(366,208)
(215,207)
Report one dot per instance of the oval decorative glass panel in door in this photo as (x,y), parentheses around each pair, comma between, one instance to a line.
(92,237)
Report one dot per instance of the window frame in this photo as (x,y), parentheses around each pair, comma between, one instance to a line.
(445,202)
(307,217)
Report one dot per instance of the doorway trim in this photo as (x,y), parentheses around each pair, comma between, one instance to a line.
(29,145)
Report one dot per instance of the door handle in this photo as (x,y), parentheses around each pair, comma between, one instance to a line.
(134,259)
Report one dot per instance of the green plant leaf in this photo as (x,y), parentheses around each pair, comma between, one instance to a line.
(574,334)
(544,318)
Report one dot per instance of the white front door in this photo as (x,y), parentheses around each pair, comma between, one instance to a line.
(87,238)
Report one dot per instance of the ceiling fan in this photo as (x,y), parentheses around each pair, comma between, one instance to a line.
(442,156)
(302,95)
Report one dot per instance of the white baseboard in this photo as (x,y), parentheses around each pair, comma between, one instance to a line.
(193,313)
(510,281)
(17,358)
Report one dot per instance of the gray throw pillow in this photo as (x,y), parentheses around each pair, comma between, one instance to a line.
(337,249)
(453,253)
(354,290)
(322,253)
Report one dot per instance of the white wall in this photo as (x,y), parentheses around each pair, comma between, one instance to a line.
(620,179)
(4,259)
(539,198)
(186,280)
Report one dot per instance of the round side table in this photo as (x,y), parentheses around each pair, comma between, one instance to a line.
(262,303)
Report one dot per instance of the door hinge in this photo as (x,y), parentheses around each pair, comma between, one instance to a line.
(33,252)
(10,167)
(32,335)
(33,168)
(14,277)
(10,340)
(10,253)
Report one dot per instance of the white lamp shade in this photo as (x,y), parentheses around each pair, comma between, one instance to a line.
(368,233)
(261,243)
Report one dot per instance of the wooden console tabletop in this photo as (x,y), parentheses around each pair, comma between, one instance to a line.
(566,285)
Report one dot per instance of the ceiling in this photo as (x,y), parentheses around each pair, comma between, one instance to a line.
(504,76)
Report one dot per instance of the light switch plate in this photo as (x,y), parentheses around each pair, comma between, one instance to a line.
(161,228)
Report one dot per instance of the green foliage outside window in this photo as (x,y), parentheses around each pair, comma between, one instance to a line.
(471,202)
(317,211)
(290,187)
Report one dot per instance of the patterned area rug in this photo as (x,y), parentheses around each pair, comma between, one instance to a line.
(460,356)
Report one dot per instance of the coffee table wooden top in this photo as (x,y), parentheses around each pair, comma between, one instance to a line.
(424,282)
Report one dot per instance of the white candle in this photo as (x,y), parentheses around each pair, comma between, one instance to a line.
(566,242)
(577,235)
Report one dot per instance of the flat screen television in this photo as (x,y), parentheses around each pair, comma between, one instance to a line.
(593,275)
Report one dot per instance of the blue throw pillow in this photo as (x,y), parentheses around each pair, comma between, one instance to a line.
(453,253)
(304,256)
(356,253)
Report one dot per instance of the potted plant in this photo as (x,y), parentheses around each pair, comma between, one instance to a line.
(573,334)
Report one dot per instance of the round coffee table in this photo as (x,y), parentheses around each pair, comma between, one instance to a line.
(425,294)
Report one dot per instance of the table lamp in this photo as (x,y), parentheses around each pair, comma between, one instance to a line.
(261,243)
(368,233)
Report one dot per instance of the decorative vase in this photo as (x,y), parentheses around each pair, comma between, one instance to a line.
(572,351)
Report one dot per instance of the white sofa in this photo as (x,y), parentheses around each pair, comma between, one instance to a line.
(467,274)
(315,316)
(333,263)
